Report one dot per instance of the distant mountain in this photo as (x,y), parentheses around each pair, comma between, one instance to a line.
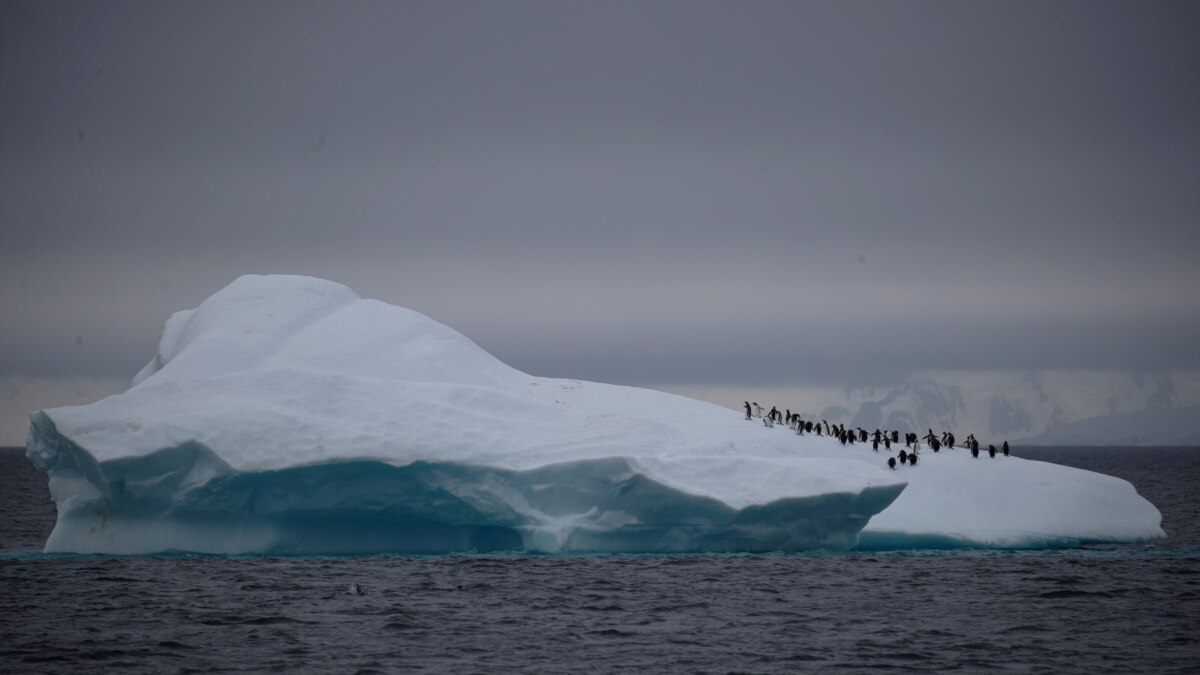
(1162,426)
(997,405)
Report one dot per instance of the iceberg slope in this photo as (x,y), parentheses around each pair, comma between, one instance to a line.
(286,414)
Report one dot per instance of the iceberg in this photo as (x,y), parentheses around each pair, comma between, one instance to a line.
(286,414)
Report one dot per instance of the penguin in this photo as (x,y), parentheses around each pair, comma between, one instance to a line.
(935,444)
(875,445)
(892,463)
(912,459)
(887,443)
(895,436)
(975,450)
(1005,448)
(748,415)
(991,451)
(903,457)
(862,434)
(357,589)
(757,409)
(950,444)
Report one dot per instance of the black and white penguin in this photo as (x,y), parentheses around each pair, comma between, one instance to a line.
(1005,448)
(912,459)
(748,411)
(991,451)
(892,463)
(357,589)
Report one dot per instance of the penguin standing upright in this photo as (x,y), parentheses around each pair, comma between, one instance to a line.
(1005,448)
(748,415)
(991,451)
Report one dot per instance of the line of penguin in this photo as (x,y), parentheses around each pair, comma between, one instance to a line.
(912,442)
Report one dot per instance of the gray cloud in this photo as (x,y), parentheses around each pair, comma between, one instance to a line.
(641,192)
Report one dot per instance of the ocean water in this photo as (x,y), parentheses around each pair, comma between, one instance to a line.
(1097,609)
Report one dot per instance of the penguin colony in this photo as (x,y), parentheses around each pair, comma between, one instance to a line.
(912,441)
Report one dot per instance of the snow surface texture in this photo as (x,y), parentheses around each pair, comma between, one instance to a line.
(288,415)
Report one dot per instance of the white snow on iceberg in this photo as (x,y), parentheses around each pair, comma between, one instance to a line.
(286,414)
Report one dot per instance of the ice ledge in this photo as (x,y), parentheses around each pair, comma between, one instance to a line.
(187,498)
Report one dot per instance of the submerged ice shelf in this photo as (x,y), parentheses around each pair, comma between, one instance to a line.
(286,414)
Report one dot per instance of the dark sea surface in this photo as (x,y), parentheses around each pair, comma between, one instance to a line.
(1099,609)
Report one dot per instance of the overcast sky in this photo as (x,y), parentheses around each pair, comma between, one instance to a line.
(732,194)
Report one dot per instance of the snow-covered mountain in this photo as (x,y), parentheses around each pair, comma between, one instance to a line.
(997,405)
(1157,426)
